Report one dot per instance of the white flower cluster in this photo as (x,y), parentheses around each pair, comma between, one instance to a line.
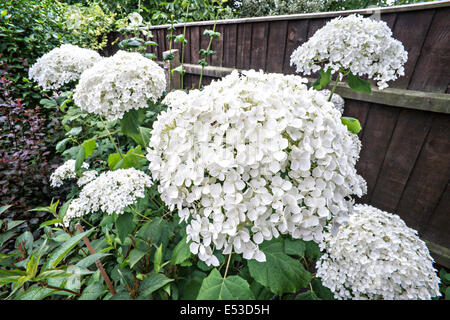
(376,256)
(65,171)
(111,192)
(250,157)
(361,45)
(62,65)
(337,100)
(118,84)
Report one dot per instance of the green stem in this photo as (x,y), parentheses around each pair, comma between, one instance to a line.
(111,138)
(228,264)
(140,131)
(182,48)
(139,214)
(334,86)
(207,50)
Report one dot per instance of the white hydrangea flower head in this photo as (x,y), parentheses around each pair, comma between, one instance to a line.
(361,45)
(174,98)
(250,157)
(111,192)
(377,256)
(336,99)
(118,84)
(62,65)
(86,177)
(135,19)
(66,171)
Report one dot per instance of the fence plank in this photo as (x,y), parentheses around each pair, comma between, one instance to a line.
(407,139)
(429,177)
(436,229)
(229,48)
(276,46)
(378,130)
(244,43)
(433,67)
(217,46)
(296,35)
(412,39)
(258,52)
(194,44)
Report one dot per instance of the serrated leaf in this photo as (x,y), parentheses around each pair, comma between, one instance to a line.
(294,247)
(135,256)
(124,225)
(36,293)
(74,131)
(181,252)
(92,291)
(323,80)
(312,250)
(89,147)
(309,295)
(61,145)
(80,158)
(358,84)
(64,249)
(280,273)
(89,260)
(153,282)
(53,273)
(352,124)
(4,208)
(33,263)
(214,287)
(130,122)
(321,291)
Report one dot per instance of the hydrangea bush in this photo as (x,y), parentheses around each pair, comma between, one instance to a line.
(283,163)
(62,65)
(241,181)
(376,256)
(353,46)
(118,84)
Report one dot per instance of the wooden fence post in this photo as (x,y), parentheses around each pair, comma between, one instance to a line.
(175,82)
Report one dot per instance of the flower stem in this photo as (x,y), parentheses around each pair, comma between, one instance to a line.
(139,214)
(334,86)
(228,264)
(111,138)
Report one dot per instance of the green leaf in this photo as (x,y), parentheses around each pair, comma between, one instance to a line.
(12,224)
(358,84)
(157,259)
(280,273)
(52,273)
(135,256)
(321,291)
(64,249)
(132,159)
(352,124)
(130,122)
(89,260)
(61,145)
(89,147)
(125,225)
(181,252)
(180,38)
(178,69)
(312,250)
(74,131)
(309,295)
(323,80)
(36,293)
(33,263)
(143,137)
(26,240)
(92,291)
(80,158)
(214,287)
(4,208)
(49,223)
(153,282)
(150,43)
(295,247)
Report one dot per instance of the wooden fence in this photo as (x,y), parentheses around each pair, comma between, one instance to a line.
(405,157)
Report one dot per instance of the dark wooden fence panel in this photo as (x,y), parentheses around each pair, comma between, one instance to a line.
(405,156)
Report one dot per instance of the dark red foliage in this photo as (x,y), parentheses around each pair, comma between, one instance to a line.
(24,156)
